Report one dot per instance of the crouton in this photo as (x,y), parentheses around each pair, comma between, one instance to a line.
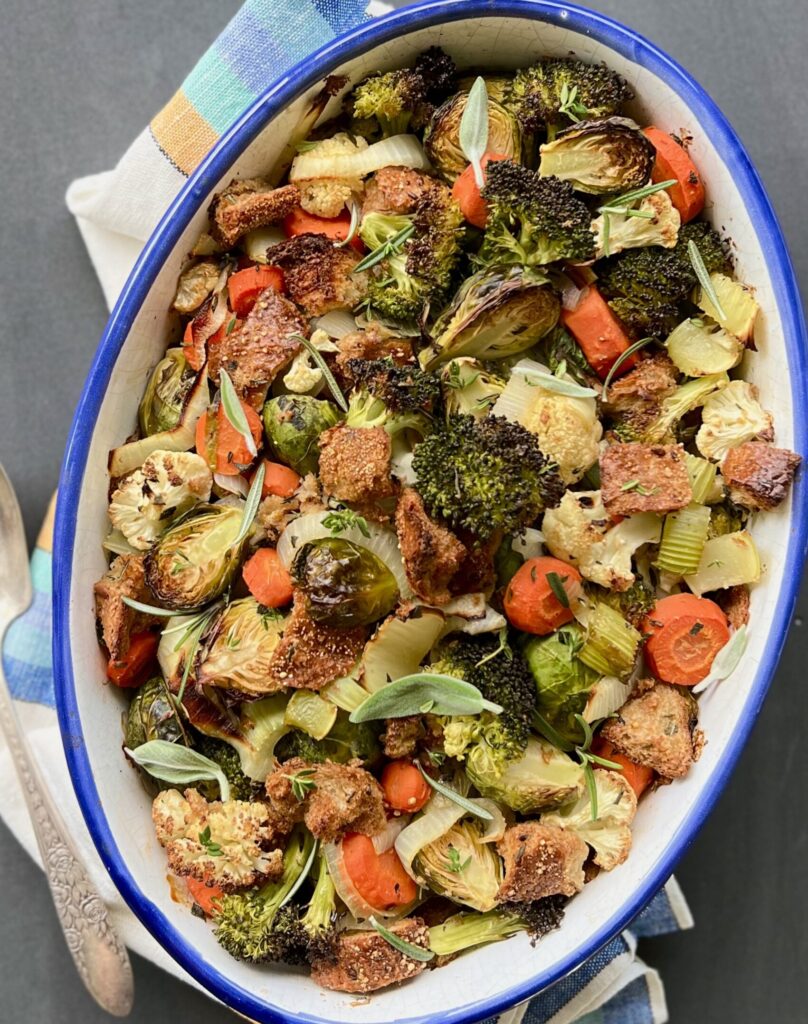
(255,353)
(395,190)
(540,860)
(355,463)
(124,578)
(657,729)
(336,798)
(759,475)
(311,654)
(734,603)
(644,478)
(401,736)
(374,342)
(218,843)
(634,401)
(246,205)
(365,962)
(432,554)
(477,571)
(318,276)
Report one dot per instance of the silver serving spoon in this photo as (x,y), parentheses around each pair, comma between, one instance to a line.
(98,953)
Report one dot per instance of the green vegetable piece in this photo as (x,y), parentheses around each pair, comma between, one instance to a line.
(293,424)
(443,143)
(601,156)
(163,401)
(178,765)
(461,867)
(152,715)
(408,695)
(563,681)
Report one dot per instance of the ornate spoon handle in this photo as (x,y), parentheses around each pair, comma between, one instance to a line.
(98,953)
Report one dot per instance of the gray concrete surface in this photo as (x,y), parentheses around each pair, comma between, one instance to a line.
(78,80)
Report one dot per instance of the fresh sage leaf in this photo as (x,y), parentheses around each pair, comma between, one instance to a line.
(446,695)
(234,412)
(474,128)
(727,659)
(407,948)
(550,382)
(251,504)
(179,765)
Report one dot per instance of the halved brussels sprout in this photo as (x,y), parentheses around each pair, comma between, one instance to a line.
(195,560)
(237,649)
(345,585)
(152,715)
(609,154)
(461,866)
(495,314)
(164,398)
(293,424)
(543,777)
(442,138)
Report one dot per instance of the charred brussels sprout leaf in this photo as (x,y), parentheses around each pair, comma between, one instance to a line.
(495,314)
(164,398)
(293,424)
(194,561)
(152,716)
(602,156)
(345,585)
(442,139)
(238,647)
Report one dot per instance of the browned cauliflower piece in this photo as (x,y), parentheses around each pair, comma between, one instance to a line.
(218,843)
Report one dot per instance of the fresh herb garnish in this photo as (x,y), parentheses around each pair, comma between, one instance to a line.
(389,248)
(251,504)
(473,132)
(177,764)
(213,848)
(451,794)
(340,519)
(446,695)
(407,948)
(704,278)
(638,488)
(322,365)
(454,863)
(622,204)
(619,362)
(557,586)
(302,783)
(570,104)
(234,412)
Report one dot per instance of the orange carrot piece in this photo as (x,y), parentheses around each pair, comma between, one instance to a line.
(279,479)
(684,634)
(222,446)
(673,161)
(244,287)
(299,222)
(638,776)
(205,896)
(531,603)
(467,195)
(267,578)
(405,788)
(133,668)
(379,878)
(598,331)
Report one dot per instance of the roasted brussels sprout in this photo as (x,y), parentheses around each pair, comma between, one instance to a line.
(461,867)
(345,585)
(495,314)
(293,424)
(152,716)
(442,138)
(195,560)
(238,647)
(169,385)
(543,777)
(606,155)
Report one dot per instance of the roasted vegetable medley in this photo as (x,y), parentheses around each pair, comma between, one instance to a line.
(437,518)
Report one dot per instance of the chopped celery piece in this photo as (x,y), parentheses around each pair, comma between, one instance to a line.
(704,479)
(738,303)
(683,537)
(726,561)
(311,714)
(465,930)
(699,348)
(345,693)
(611,642)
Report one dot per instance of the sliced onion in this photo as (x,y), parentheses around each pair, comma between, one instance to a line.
(570,293)
(117,544)
(131,456)
(382,542)
(336,324)
(346,890)
(494,829)
(491,622)
(467,606)
(399,646)
(529,544)
(608,695)
(401,468)
(232,484)
(438,817)
(397,151)
(256,242)
(387,838)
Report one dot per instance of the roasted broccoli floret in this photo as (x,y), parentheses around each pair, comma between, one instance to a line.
(469,929)
(633,604)
(243,922)
(503,677)
(485,475)
(397,101)
(346,741)
(532,221)
(228,759)
(394,397)
(646,286)
(726,517)
(557,91)
(422,252)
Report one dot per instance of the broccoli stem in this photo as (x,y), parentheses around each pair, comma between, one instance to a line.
(466,930)
(322,906)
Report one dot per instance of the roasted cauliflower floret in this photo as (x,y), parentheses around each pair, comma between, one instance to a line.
(731,417)
(579,531)
(303,376)
(225,844)
(568,430)
(328,197)
(658,224)
(609,834)
(166,485)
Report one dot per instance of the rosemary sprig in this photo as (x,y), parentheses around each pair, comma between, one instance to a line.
(451,794)
(704,278)
(570,104)
(340,519)
(214,849)
(328,376)
(386,249)
(619,362)
(302,783)
(407,948)
(622,203)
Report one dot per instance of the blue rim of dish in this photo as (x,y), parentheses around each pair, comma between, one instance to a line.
(350,44)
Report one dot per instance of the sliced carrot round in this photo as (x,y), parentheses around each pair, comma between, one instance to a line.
(244,287)
(541,595)
(379,878)
(405,788)
(684,634)
(268,579)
